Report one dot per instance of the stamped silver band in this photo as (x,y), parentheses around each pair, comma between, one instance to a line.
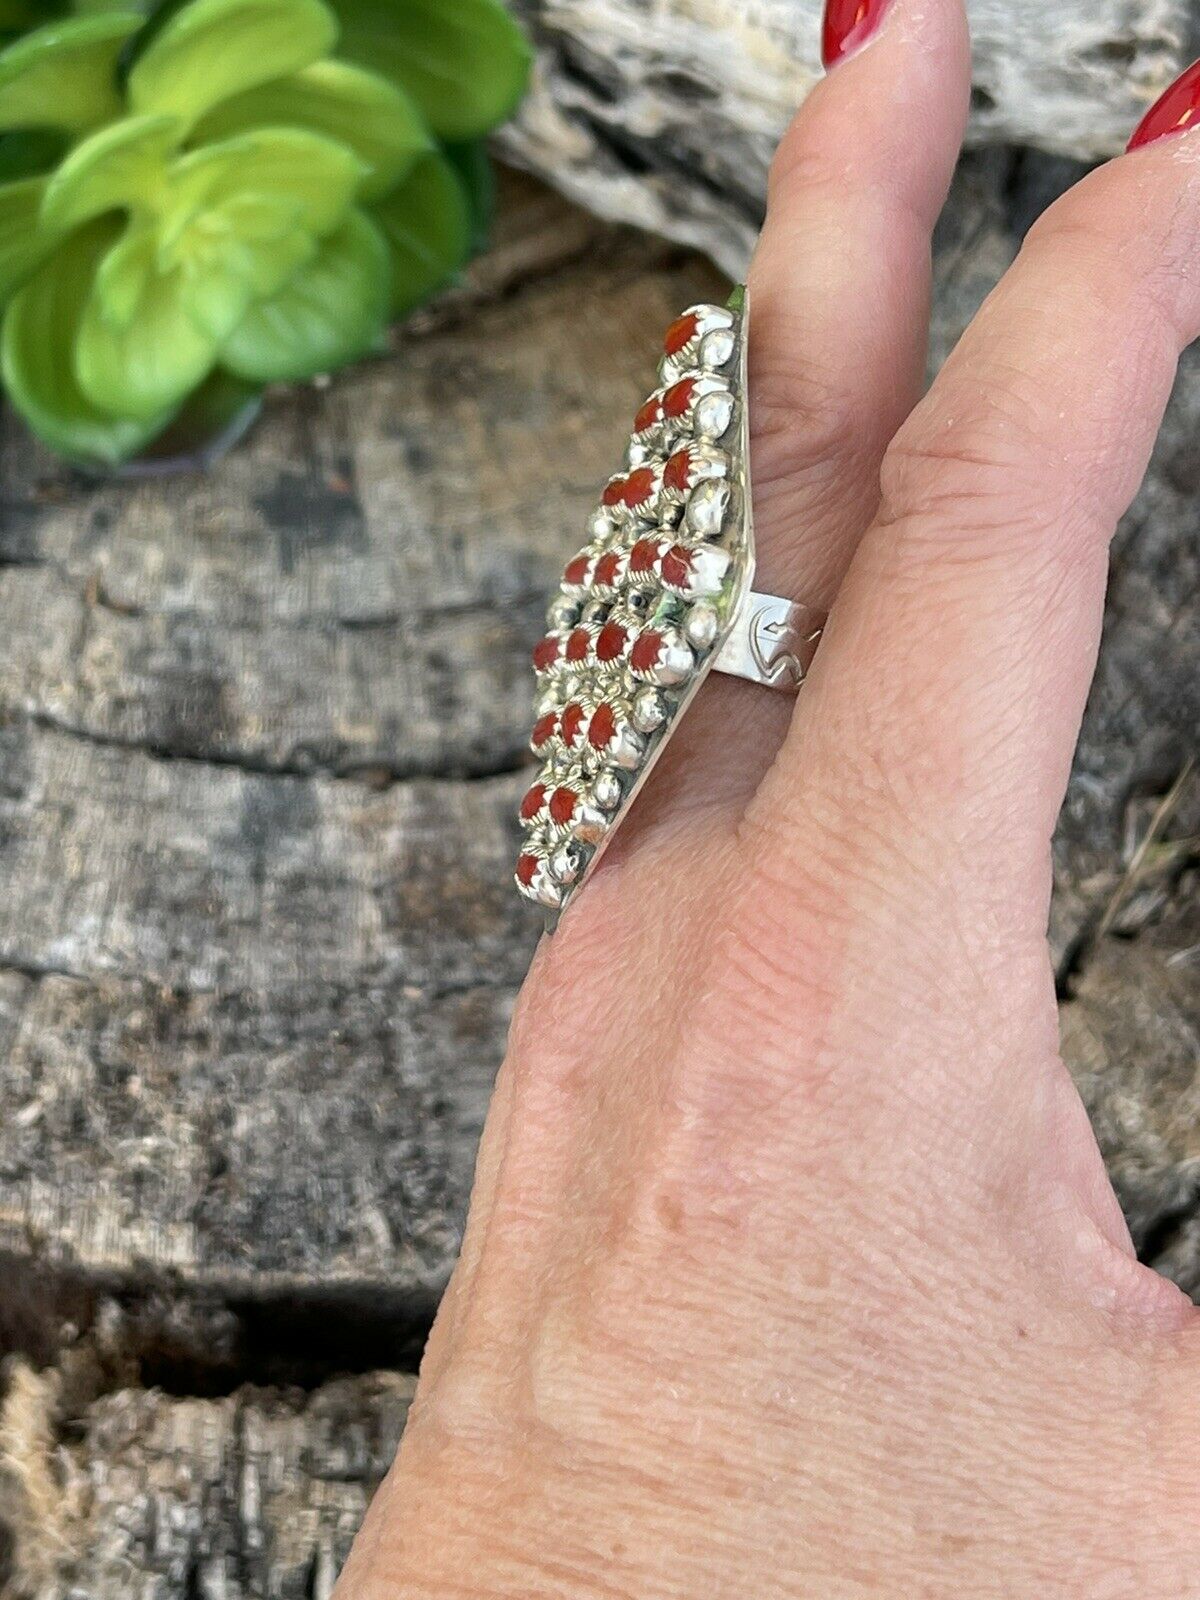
(771,642)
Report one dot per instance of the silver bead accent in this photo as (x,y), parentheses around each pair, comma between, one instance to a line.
(607,791)
(649,710)
(706,508)
(626,749)
(546,892)
(561,613)
(716,348)
(566,864)
(589,823)
(702,625)
(713,414)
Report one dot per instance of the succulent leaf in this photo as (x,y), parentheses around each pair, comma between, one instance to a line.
(428,225)
(142,363)
(329,312)
(63,75)
(264,242)
(251,262)
(123,165)
(122,274)
(22,245)
(37,359)
(465,64)
(216,196)
(316,175)
(210,50)
(212,419)
(363,111)
(31,152)
(474,170)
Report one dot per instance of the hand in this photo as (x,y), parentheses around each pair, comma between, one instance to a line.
(792,1267)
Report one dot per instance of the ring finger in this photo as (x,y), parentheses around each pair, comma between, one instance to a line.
(840,298)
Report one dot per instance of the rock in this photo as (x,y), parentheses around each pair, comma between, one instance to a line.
(666,116)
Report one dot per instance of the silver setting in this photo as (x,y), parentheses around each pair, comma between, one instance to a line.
(649,710)
(702,626)
(772,642)
(661,595)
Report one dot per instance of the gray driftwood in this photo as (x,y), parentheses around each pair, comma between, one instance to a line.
(153,1498)
(666,115)
(260,738)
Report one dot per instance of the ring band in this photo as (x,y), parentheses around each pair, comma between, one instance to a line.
(771,641)
(661,595)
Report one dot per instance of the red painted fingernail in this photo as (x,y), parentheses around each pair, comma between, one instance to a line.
(848,25)
(1173,112)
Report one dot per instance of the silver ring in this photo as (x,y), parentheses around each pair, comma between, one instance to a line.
(661,595)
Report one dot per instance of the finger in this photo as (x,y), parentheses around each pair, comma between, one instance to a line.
(940,719)
(840,316)
(840,288)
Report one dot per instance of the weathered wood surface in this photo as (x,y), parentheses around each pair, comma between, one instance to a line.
(261,750)
(666,115)
(259,745)
(151,1498)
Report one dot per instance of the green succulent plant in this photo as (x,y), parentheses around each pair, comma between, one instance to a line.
(224,194)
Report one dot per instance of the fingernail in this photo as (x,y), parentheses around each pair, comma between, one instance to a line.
(1173,112)
(847,27)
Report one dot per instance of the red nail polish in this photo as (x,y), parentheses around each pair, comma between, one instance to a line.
(1173,112)
(848,24)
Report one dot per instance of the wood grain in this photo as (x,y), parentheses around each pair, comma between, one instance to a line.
(667,115)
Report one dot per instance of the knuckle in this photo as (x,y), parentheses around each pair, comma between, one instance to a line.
(806,425)
(1133,242)
(801,165)
(953,484)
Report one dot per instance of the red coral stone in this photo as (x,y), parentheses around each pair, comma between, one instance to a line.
(610,641)
(649,415)
(562,804)
(603,727)
(545,653)
(678,398)
(613,492)
(677,566)
(543,730)
(576,570)
(643,555)
(605,574)
(526,869)
(677,474)
(681,332)
(646,651)
(532,803)
(639,487)
(578,644)
(572,722)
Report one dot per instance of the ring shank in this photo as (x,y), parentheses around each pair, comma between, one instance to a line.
(772,642)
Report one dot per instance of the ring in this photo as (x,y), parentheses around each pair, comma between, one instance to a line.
(660,596)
